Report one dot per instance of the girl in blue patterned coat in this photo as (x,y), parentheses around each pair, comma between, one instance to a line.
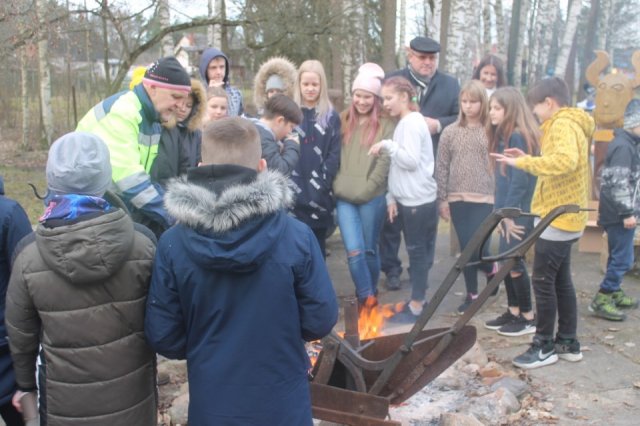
(319,151)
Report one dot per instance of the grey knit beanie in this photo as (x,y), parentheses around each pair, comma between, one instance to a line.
(275,82)
(78,163)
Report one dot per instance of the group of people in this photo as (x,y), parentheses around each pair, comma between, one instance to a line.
(243,206)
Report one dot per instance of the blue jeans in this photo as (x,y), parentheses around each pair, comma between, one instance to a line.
(360,227)
(467,218)
(554,290)
(419,228)
(620,256)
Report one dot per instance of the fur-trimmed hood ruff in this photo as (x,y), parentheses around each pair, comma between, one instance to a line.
(283,68)
(198,207)
(199,109)
(199,106)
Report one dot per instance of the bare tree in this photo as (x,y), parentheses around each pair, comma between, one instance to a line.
(164,17)
(444,32)
(500,32)
(24,91)
(486,26)
(589,46)
(389,35)
(458,41)
(540,40)
(45,77)
(522,25)
(214,32)
(567,38)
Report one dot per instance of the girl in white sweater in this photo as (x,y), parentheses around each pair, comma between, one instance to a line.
(411,195)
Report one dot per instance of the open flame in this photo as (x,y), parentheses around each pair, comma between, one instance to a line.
(372,317)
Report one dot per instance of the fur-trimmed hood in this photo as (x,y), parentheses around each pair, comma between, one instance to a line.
(235,228)
(195,119)
(196,205)
(283,68)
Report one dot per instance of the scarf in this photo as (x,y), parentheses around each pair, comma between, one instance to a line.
(72,206)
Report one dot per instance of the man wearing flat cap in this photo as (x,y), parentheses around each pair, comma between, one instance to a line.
(438,102)
(129,123)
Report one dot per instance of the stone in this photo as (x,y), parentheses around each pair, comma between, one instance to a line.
(471,369)
(179,411)
(475,355)
(493,407)
(517,387)
(491,369)
(458,419)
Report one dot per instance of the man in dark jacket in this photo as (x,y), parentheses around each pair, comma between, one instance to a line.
(238,286)
(14,225)
(78,290)
(617,214)
(438,101)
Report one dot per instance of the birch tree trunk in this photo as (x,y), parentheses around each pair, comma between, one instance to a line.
(567,38)
(353,53)
(486,27)
(445,22)
(164,17)
(542,30)
(24,92)
(436,20)
(402,34)
(514,36)
(389,35)
(603,24)
(105,42)
(214,32)
(336,47)
(501,39)
(45,76)
(458,46)
(589,47)
(517,68)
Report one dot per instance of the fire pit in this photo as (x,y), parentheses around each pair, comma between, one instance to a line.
(354,380)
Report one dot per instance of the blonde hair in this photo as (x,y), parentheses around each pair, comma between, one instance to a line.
(216,92)
(231,140)
(477,92)
(323,106)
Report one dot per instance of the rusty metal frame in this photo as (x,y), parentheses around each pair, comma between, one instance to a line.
(349,352)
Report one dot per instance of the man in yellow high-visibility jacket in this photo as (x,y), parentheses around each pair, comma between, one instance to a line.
(129,124)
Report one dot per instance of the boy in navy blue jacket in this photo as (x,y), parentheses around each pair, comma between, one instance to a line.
(617,213)
(14,225)
(238,285)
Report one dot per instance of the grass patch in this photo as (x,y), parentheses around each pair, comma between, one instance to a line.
(15,187)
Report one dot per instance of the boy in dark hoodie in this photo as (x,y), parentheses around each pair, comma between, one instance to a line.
(214,70)
(617,213)
(280,145)
(237,274)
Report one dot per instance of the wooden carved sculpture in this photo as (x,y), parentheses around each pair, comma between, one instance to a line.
(613,93)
